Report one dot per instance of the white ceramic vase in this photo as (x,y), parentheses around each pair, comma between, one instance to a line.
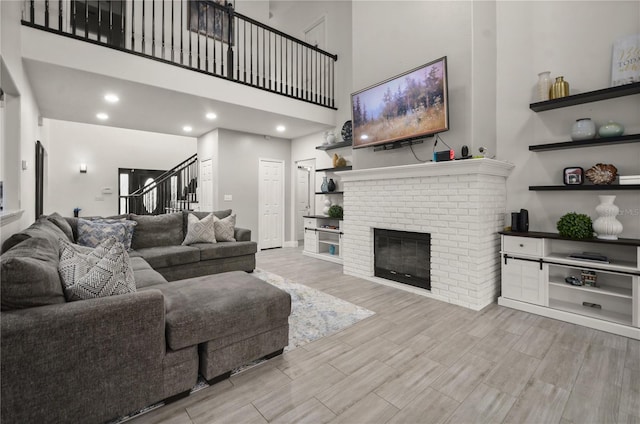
(544,85)
(327,205)
(606,225)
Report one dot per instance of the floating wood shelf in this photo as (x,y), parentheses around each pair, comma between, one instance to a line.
(585,187)
(334,145)
(590,96)
(608,141)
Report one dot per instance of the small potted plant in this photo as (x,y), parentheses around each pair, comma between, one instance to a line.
(336,211)
(576,226)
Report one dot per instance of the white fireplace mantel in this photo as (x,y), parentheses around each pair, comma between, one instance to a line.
(481,166)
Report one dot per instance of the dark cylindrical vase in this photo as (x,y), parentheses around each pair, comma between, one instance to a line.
(332,185)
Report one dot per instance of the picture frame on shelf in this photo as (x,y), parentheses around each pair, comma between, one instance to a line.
(625,60)
(207,18)
(573,175)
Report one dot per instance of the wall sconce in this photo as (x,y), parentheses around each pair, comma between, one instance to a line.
(83,168)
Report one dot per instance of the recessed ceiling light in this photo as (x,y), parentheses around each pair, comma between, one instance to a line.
(280,128)
(111,98)
(187,128)
(211,115)
(102,116)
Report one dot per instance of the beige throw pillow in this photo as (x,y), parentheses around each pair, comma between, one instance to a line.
(225,228)
(200,230)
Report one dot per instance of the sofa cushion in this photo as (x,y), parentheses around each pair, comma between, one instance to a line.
(185,216)
(225,228)
(59,221)
(144,275)
(200,230)
(213,306)
(104,272)
(92,233)
(129,228)
(225,249)
(166,256)
(29,275)
(157,230)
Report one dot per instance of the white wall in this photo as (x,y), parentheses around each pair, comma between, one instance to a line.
(104,150)
(533,37)
(21,130)
(238,175)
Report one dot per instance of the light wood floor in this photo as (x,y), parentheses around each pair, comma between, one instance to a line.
(423,361)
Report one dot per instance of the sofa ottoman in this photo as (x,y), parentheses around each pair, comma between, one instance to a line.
(233,317)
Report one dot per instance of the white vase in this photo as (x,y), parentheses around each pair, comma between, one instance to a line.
(327,205)
(583,129)
(606,225)
(544,85)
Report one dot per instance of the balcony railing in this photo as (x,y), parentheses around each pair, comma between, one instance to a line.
(201,35)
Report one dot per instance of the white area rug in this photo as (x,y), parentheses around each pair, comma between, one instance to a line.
(314,315)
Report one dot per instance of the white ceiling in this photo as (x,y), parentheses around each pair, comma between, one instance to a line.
(74,95)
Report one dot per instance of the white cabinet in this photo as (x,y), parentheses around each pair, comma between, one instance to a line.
(523,280)
(323,238)
(534,271)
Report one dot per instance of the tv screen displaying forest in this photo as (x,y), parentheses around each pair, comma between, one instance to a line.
(409,106)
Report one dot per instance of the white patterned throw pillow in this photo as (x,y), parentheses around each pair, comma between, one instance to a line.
(92,233)
(200,230)
(104,272)
(225,228)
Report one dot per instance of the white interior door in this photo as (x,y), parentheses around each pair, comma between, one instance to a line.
(271,203)
(304,199)
(206,185)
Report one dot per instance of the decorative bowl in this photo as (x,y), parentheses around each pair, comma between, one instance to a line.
(602,174)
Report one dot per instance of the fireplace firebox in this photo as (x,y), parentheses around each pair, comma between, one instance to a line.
(402,256)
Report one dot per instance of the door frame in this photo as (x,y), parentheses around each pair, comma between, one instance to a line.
(282,191)
(312,198)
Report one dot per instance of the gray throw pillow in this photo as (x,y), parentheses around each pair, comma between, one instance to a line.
(104,272)
(225,228)
(129,226)
(200,230)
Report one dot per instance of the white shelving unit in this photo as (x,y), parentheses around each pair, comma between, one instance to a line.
(323,238)
(534,268)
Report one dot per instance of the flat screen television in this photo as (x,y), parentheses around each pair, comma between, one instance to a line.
(410,106)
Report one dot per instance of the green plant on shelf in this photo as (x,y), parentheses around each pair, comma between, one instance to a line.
(336,211)
(576,226)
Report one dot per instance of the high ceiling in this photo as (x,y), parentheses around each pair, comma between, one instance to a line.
(74,95)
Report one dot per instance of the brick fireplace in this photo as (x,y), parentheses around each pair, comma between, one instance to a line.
(460,203)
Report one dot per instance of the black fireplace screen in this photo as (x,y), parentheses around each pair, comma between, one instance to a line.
(402,256)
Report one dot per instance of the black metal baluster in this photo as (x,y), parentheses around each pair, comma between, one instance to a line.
(182,6)
(110,40)
(317,97)
(143,19)
(133,26)
(198,35)
(298,64)
(269,60)
(189,33)
(286,66)
(264,60)
(73,16)
(214,41)
(46,13)
(206,37)
(32,11)
(230,23)
(281,64)
(244,64)
(333,83)
(251,51)
(153,28)
(59,15)
(307,79)
(162,27)
(86,18)
(122,24)
(172,33)
(99,20)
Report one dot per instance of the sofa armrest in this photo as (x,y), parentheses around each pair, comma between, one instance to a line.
(242,234)
(85,361)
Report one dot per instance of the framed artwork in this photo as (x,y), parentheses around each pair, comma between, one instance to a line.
(573,175)
(625,61)
(211,18)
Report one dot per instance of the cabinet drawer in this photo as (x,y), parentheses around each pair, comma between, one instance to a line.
(522,245)
(309,223)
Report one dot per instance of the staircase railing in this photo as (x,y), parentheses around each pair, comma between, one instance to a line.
(173,191)
(202,35)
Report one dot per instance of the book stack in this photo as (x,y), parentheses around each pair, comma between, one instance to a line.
(629,179)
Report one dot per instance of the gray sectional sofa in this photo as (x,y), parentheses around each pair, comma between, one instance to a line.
(196,310)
